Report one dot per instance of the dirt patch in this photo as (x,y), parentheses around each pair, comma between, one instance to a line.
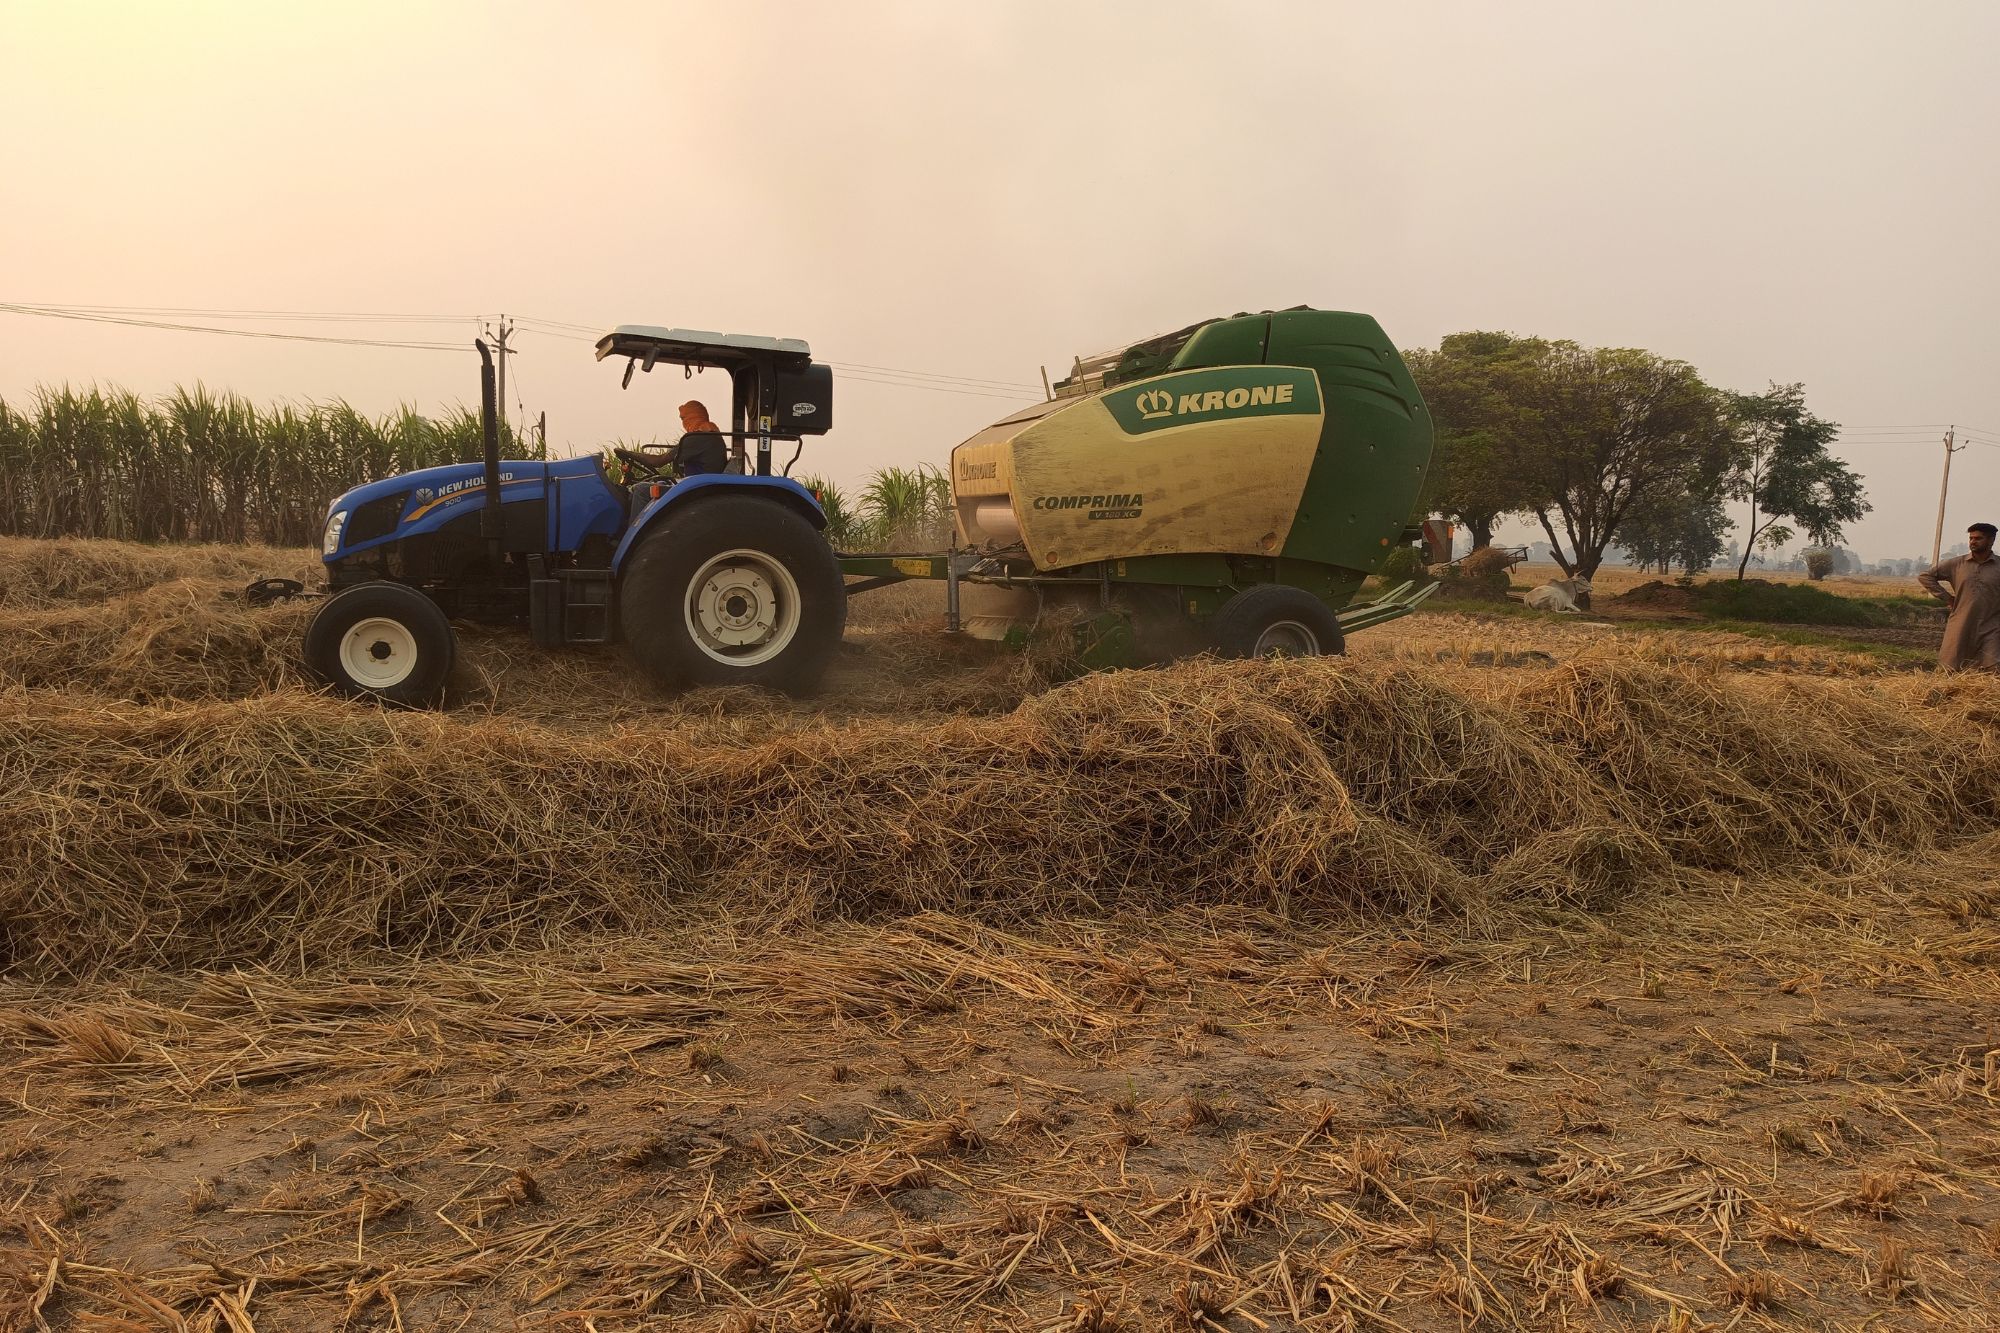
(932,1125)
(1658,597)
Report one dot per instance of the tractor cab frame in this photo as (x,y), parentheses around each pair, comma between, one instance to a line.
(777,391)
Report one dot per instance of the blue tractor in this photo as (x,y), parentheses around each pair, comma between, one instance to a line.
(710,580)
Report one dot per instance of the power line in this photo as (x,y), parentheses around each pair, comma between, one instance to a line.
(226,332)
(883,375)
(551,330)
(967,379)
(308,316)
(585,333)
(147,317)
(935,388)
(591,329)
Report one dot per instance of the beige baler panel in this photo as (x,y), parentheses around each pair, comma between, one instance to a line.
(982,477)
(1230,486)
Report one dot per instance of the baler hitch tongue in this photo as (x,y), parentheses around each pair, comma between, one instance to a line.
(1394,604)
(266,592)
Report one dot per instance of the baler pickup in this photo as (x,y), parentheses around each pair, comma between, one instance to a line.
(1394,604)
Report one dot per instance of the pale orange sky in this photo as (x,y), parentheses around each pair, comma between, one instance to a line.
(1770,191)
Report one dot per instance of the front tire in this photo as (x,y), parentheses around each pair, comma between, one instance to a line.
(733,590)
(1275,620)
(381,641)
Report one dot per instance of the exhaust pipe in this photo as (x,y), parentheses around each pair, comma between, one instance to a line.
(489,429)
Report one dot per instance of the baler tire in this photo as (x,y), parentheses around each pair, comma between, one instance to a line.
(382,641)
(733,542)
(1276,620)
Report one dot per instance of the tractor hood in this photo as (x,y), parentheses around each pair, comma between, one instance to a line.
(377,512)
(445,485)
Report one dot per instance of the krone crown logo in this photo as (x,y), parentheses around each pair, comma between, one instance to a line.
(1154,404)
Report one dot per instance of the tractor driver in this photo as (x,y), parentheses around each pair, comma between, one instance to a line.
(701,448)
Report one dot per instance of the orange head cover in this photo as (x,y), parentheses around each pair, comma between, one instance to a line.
(694,417)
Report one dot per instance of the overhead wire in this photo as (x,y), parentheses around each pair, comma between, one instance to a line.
(937,388)
(965,379)
(306,316)
(86,317)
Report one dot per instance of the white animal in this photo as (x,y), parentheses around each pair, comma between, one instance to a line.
(1560,595)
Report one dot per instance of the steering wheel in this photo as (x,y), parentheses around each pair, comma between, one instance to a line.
(652,466)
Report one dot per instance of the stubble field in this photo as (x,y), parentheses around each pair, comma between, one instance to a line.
(1511,973)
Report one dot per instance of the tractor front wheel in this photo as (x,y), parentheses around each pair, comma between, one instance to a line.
(381,641)
(733,590)
(1275,620)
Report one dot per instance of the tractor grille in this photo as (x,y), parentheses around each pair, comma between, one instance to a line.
(375,519)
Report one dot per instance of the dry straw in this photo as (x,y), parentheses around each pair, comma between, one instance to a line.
(297,826)
(40,574)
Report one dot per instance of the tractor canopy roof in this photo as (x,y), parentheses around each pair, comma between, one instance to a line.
(649,344)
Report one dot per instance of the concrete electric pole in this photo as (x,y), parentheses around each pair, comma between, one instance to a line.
(500,333)
(1937,542)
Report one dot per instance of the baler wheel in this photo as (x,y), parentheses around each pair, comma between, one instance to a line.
(1276,620)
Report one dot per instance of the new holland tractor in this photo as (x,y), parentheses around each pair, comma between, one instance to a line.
(1227,487)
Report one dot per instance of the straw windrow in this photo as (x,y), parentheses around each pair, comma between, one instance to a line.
(292,823)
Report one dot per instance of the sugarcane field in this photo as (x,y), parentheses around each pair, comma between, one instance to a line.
(1225,674)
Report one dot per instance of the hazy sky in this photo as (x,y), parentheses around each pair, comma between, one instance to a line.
(1769,191)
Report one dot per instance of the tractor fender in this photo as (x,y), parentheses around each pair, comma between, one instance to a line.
(692,490)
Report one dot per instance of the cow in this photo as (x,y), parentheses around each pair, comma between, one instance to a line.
(1569,595)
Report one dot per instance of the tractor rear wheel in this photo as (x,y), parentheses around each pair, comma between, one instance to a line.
(733,590)
(1275,620)
(381,641)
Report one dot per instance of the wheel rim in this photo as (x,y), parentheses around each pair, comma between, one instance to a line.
(743,608)
(1286,638)
(378,653)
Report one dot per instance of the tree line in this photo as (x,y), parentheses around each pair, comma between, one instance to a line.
(1605,447)
(205,467)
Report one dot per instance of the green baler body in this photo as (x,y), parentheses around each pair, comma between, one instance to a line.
(1355,504)
(1375,446)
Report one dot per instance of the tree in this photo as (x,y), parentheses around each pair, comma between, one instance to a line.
(1593,435)
(1468,482)
(1688,531)
(1783,471)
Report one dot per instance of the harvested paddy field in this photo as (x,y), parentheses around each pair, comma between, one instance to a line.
(1506,974)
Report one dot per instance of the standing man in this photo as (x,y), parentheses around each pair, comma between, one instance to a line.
(1972,630)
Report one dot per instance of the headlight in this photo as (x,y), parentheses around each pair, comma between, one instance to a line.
(331,542)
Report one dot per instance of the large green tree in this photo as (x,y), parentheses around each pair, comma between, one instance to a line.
(1470,481)
(1684,530)
(1783,471)
(1593,435)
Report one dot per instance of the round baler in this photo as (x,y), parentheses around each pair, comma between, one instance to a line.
(1228,486)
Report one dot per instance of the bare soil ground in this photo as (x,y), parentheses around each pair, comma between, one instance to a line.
(1697,1025)
(1192,1123)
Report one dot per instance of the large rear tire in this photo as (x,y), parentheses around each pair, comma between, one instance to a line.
(381,641)
(1275,620)
(733,590)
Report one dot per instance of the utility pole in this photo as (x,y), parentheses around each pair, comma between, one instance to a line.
(1937,542)
(500,346)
